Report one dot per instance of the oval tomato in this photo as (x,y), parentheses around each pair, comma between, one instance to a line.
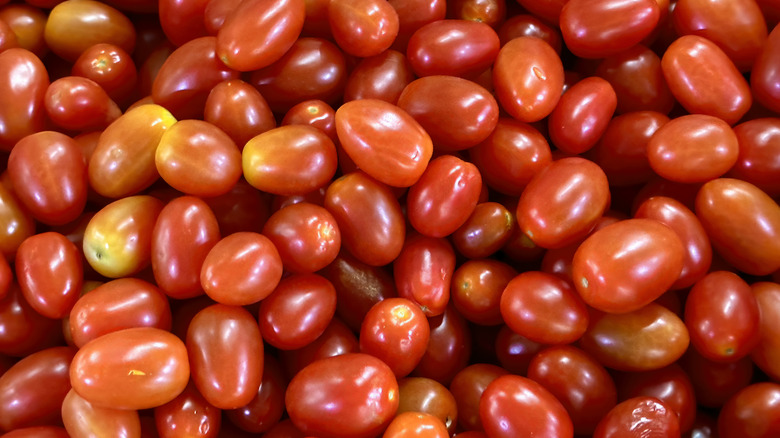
(23,84)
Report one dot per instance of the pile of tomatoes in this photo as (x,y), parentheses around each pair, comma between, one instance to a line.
(395,218)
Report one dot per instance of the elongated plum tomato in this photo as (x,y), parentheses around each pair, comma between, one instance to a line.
(50,273)
(743,223)
(528,78)
(49,176)
(23,83)
(384,141)
(562,202)
(349,396)
(136,368)
(626,265)
(81,417)
(274,27)
(118,239)
(363,28)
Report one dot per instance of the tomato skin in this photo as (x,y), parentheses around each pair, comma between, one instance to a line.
(237,108)
(693,148)
(298,311)
(364,81)
(600,28)
(449,347)
(649,338)
(752,412)
(528,78)
(455,112)
(532,26)
(477,287)
(241,269)
(50,273)
(722,316)
(122,163)
(337,339)
(289,160)
(688,64)
(23,84)
(184,233)
(49,176)
(118,239)
(79,104)
(38,432)
(384,141)
(743,222)
(182,21)
(511,155)
(714,383)
(23,330)
(33,389)
(737,27)
(116,305)
(27,23)
(507,395)
(111,67)
(461,48)
(582,115)
(427,396)
(316,113)
(758,146)
(187,76)
(623,70)
(583,386)
(8,38)
(543,308)
(768,349)
(395,330)
(274,26)
(227,376)
(363,28)
(444,197)
(765,72)
(145,367)
(562,202)
(324,400)
(74,26)
(626,265)
(486,231)
(639,417)
(82,418)
(423,272)
(266,408)
(416,424)
(369,217)
(19,223)
(198,158)
(468,386)
(675,215)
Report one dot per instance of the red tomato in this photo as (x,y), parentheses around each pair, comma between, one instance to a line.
(742,222)
(601,28)
(449,347)
(363,27)
(764,76)
(33,389)
(74,26)
(241,269)
(289,160)
(28,23)
(737,27)
(369,217)
(198,158)
(715,382)
(427,396)
(182,21)
(542,415)
(111,67)
(487,230)
(468,386)
(543,308)
(226,374)
(688,65)
(117,305)
(477,287)
(562,202)
(649,338)
(184,233)
(395,330)
(636,76)
(265,410)
(306,235)
(462,48)
(274,27)
(423,272)
(79,104)
(324,399)
(23,84)
(49,176)
(582,385)
(316,113)
(237,108)
(528,78)
(549,10)
(384,141)
(752,412)
(414,14)
(136,368)
(416,424)
(23,330)
(582,115)
(298,311)
(766,354)
(532,26)
(511,155)
(50,273)
(758,162)
(337,339)
(81,417)
(639,417)
(626,265)
(382,77)
(455,112)
(444,197)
